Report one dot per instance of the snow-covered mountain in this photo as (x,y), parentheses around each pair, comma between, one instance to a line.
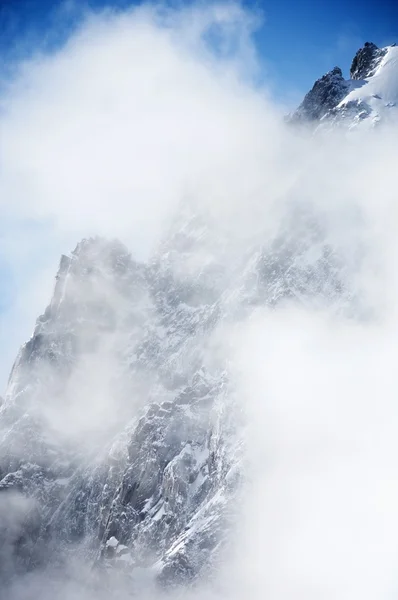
(120,443)
(111,425)
(369,97)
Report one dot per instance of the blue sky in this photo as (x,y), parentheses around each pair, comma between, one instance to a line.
(299,40)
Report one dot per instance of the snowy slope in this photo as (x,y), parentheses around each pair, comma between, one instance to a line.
(368,98)
(378,94)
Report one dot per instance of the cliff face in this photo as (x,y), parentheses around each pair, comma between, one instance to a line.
(326,93)
(120,437)
(111,423)
(366,61)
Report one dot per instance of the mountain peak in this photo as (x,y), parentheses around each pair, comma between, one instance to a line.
(98,247)
(366,61)
(369,96)
(325,94)
(335,71)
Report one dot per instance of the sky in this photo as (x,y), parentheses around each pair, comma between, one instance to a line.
(299,40)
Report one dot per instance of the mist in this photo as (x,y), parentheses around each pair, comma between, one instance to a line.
(152,122)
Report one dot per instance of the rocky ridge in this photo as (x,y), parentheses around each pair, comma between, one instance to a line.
(368,98)
(120,435)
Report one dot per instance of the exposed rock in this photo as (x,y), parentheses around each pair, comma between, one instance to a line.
(119,428)
(326,93)
(368,99)
(366,61)
(149,480)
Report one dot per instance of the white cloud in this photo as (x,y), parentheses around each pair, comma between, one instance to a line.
(320,517)
(106,135)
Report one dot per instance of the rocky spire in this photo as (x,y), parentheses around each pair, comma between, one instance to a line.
(366,61)
(325,94)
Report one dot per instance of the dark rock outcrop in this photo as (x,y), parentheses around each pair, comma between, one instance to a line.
(366,61)
(326,93)
(328,103)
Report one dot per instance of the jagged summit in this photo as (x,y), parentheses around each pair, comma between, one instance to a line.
(111,425)
(368,98)
(119,426)
(366,61)
(99,246)
(324,95)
